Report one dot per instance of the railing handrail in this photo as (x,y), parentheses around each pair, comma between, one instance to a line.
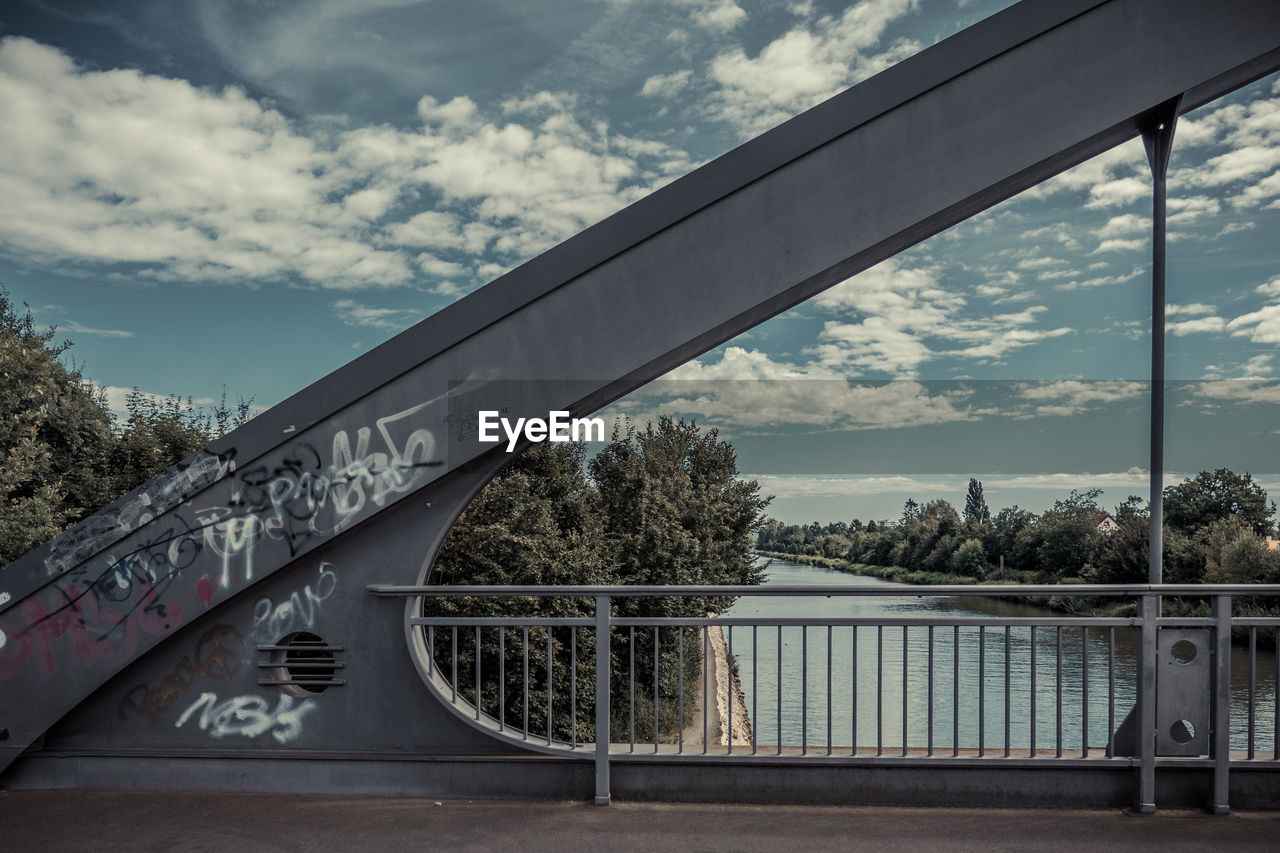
(914,590)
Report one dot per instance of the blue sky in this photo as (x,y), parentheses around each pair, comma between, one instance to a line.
(247,195)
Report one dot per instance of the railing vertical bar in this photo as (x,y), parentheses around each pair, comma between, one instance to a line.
(1147,661)
(728,685)
(706,667)
(829,689)
(453,682)
(1220,727)
(1275,713)
(904,690)
(526,683)
(755,691)
(778,718)
(1084,691)
(680,688)
(550,694)
(656,646)
(1058,694)
(502,678)
(477,672)
(1033,691)
(1111,692)
(631,693)
(573,687)
(804,689)
(431,645)
(1008,691)
(1253,685)
(603,656)
(982,691)
(879,690)
(929,714)
(853,690)
(955,692)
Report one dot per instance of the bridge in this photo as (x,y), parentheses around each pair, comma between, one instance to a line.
(234,624)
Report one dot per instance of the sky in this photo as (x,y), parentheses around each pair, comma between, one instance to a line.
(243,196)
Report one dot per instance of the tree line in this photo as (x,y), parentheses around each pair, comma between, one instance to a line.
(1215,531)
(63,453)
(661,505)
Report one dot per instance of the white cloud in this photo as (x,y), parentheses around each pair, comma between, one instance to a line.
(806,65)
(666,85)
(1199,324)
(904,308)
(1261,326)
(749,390)
(73,326)
(1270,289)
(390,319)
(718,15)
(1193,309)
(1068,397)
(119,167)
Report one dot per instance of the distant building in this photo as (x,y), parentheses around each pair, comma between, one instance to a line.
(889,523)
(1272,544)
(1106,524)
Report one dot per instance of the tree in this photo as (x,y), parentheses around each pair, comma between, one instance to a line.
(910,510)
(975,505)
(62,453)
(660,506)
(54,437)
(1194,504)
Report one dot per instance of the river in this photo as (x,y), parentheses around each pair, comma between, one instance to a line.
(786,700)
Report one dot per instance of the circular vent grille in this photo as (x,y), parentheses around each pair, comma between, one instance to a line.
(304,663)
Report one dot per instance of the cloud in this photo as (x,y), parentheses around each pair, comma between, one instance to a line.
(73,326)
(1261,326)
(748,389)
(1195,308)
(666,85)
(1199,324)
(185,183)
(908,319)
(1069,397)
(806,65)
(719,15)
(390,319)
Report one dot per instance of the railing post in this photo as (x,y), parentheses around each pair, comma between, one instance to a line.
(602,699)
(1220,728)
(1146,730)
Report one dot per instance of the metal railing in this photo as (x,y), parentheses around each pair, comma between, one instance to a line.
(1067,691)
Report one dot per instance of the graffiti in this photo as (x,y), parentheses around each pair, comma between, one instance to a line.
(161,494)
(219,653)
(273,621)
(98,632)
(103,608)
(248,716)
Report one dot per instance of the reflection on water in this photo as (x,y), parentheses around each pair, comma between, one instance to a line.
(882,678)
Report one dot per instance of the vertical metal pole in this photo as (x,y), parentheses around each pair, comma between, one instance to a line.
(804,689)
(929,735)
(1220,728)
(1158,140)
(1146,800)
(602,700)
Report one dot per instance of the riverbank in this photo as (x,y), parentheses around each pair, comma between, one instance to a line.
(897,574)
(723,688)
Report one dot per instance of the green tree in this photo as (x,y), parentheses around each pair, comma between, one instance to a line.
(62,453)
(976,512)
(1196,503)
(54,436)
(660,506)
